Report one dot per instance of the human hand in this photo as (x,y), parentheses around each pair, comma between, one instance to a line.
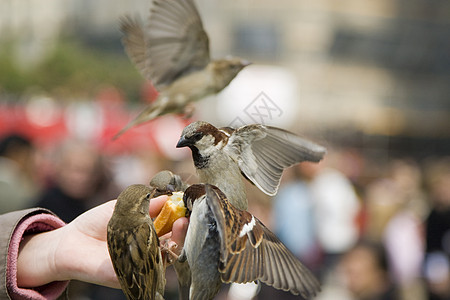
(79,250)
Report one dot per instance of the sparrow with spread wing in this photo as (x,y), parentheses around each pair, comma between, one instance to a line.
(226,244)
(173,52)
(134,245)
(258,152)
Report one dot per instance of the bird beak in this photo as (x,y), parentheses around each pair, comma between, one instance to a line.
(158,193)
(170,188)
(183,142)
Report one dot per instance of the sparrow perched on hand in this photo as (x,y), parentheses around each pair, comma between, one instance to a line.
(258,152)
(173,52)
(164,183)
(134,246)
(226,244)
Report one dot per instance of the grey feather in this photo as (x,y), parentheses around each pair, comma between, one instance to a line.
(263,152)
(177,43)
(268,261)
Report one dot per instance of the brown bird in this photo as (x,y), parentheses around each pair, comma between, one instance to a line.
(173,52)
(259,152)
(226,244)
(134,246)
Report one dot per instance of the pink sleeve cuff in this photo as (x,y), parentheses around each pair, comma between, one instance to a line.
(34,224)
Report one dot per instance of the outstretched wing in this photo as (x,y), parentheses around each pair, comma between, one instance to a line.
(250,251)
(172,45)
(177,43)
(134,42)
(263,152)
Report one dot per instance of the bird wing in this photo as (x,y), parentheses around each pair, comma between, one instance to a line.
(139,263)
(263,152)
(250,251)
(134,42)
(230,222)
(176,44)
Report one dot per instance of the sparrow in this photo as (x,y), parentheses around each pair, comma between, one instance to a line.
(164,183)
(258,152)
(226,244)
(134,247)
(173,53)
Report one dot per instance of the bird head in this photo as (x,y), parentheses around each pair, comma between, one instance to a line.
(226,69)
(203,139)
(135,198)
(193,193)
(165,183)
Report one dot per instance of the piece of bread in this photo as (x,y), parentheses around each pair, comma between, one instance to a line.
(172,210)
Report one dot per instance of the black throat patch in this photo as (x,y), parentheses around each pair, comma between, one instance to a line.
(200,161)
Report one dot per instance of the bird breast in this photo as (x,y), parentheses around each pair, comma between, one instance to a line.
(192,87)
(224,172)
(201,233)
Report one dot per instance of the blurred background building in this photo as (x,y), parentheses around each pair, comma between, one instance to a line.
(368,79)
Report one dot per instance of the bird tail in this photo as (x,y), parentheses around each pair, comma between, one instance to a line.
(122,131)
(148,114)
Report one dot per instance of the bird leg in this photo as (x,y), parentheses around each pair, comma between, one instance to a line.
(167,250)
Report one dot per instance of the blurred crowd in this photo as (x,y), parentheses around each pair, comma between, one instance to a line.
(368,229)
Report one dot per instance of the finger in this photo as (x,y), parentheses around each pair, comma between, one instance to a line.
(179,230)
(156,205)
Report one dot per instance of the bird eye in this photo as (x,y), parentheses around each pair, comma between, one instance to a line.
(197,136)
(147,196)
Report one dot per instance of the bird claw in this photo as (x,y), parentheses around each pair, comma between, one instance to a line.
(167,249)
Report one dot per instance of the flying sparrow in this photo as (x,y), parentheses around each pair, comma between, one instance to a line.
(226,244)
(258,152)
(173,52)
(134,246)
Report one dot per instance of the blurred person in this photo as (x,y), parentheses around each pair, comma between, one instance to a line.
(293,207)
(293,222)
(79,182)
(364,272)
(403,233)
(336,208)
(381,200)
(437,257)
(17,166)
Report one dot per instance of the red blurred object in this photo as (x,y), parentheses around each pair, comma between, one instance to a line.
(13,119)
(47,123)
(149,92)
(16,118)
